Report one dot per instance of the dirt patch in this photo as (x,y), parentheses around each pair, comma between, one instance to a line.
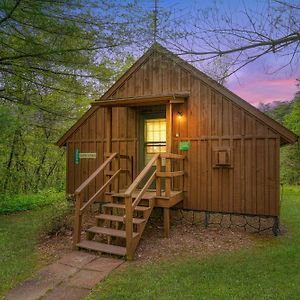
(54,247)
(186,239)
(191,240)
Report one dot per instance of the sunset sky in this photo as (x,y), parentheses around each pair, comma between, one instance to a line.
(256,82)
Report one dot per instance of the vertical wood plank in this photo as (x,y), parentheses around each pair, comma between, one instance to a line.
(108,127)
(168,179)
(169,119)
(129,228)
(158,179)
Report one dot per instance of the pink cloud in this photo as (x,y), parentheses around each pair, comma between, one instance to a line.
(259,89)
(258,82)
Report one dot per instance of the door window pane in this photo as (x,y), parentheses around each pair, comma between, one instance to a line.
(155,137)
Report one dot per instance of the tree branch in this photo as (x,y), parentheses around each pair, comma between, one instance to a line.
(11,12)
(61,51)
(293,37)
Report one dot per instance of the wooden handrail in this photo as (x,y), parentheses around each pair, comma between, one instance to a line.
(139,178)
(130,205)
(79,209)
(93,198)
(143,190)
(172,155)
(170,174)
(96,172)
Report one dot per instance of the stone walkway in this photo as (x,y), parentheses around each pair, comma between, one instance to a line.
(70,278)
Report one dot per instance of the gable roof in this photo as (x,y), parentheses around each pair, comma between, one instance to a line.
(286,135)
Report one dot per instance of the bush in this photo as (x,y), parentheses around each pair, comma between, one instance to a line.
(15,203)
(58,218)
(54,209)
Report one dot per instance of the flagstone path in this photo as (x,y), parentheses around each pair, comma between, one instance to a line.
(70,278)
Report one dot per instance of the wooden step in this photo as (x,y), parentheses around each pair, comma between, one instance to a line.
(118,218)
(96,246)
(122,206)
(110,231)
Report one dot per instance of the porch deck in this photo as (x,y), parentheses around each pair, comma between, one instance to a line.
(162,201)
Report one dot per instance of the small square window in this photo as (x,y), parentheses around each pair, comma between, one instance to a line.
(222,157)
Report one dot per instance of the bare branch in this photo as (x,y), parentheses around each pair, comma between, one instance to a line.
(11,12)
(293,37)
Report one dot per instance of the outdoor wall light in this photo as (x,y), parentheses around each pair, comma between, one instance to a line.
(179,115)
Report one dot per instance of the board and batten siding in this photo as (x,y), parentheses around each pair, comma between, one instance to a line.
(90,137)
(249,186)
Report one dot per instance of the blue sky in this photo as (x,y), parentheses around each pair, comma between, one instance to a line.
(255,83)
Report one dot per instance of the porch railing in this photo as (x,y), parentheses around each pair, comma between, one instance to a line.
(157,174)
(80,206)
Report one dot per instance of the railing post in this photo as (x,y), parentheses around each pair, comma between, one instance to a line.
(129,227)
(168,179)
(77,220)
(117,181)
(131,168)
(158,179)
(181,178)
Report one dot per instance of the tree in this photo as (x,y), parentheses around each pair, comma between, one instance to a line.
(291,154)
(288,114)
(44,43)
(292,120)
(54,57)
(277,110)
(245,36)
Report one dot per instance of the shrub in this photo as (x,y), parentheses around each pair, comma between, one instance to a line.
(58,218)
(15,203)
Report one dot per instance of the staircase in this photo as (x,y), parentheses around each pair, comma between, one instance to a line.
(119,226)
(110,225)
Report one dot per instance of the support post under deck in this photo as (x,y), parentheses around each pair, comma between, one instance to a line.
(166,222)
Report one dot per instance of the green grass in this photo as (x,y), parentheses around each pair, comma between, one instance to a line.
(14,203)
(269,270)
(19,236)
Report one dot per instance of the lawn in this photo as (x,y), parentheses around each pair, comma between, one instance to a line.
(20,234)
(269,270)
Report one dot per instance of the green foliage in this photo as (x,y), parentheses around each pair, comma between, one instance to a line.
(277,110)
(288,114)
(290,155)
(290,164)
(58,218)
(20,234)
(268,270)
(55,58)
(15,203)
(292,120)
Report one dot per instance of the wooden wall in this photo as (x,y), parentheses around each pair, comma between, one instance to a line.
(250,186)
(90,137)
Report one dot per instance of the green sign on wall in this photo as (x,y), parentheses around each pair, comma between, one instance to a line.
(77,156)
(184,145)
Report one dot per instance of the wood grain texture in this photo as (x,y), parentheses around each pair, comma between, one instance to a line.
(210,119)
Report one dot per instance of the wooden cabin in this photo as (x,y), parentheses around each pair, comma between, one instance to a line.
(164,135)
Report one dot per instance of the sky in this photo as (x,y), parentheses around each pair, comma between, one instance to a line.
(254,83)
